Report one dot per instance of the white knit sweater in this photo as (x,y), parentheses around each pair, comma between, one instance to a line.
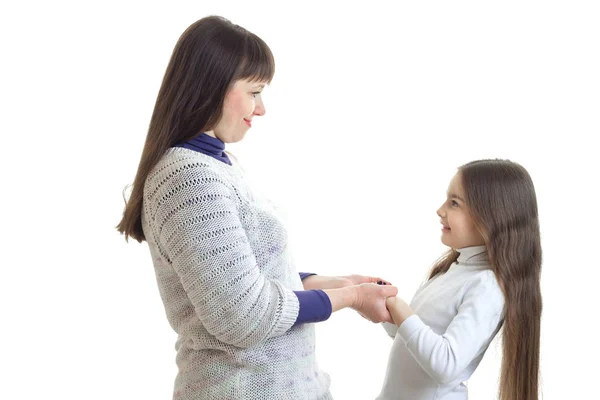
(457,314)
(226,280)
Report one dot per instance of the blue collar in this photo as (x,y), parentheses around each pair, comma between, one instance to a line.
(208,145)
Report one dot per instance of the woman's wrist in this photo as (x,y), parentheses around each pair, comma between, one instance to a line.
(342,297)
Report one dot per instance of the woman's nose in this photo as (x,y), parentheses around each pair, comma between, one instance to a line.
(259,107)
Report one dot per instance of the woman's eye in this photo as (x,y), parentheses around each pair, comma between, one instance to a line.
(254,94)
(454,203)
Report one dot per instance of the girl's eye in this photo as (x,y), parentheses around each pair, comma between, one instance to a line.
(454,203)
(254,94)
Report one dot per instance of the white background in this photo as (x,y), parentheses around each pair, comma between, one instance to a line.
(372,108)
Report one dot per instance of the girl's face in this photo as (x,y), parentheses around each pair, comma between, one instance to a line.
(242,103)
(458,229)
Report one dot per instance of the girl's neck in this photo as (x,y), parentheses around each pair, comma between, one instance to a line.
(472,255)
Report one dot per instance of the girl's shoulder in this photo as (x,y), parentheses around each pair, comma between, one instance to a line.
(483,285)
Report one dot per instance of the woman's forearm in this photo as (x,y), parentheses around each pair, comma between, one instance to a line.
(325,282)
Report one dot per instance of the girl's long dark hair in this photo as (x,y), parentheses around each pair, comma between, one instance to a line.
(501,199)
(208,58)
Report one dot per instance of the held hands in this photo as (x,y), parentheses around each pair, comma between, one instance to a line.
(370,301)
(365,294)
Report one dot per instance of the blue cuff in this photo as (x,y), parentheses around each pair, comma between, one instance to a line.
(315,306)
(304,275)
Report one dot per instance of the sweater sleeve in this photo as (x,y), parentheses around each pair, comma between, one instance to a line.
(445,356)
(198,228)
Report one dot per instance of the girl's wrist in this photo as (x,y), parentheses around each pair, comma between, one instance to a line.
(399,310)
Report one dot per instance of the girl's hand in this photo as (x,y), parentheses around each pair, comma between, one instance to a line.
(370,301)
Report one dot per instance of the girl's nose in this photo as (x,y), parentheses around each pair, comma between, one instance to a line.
(440,213)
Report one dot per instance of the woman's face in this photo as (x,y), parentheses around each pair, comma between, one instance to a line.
(242,103)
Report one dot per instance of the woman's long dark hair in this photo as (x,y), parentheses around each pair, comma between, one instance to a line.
(501,199)
(209,57)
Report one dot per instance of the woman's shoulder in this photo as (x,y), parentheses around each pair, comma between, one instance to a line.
(180,159)
(178,162)
(180,168)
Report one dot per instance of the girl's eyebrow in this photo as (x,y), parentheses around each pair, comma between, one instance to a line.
(455,196)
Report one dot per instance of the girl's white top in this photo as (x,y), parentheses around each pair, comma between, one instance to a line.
(457,314)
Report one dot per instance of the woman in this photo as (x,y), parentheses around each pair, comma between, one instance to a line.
(242,313)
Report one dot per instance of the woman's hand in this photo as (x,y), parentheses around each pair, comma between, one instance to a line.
(370,301)
(399,309)
(359,279)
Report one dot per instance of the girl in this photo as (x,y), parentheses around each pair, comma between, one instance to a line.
(241,311)
(489,278)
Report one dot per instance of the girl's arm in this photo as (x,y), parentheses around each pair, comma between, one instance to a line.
(399,310)
(391,329)
(444,356)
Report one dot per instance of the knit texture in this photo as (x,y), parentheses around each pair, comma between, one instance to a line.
(224,274)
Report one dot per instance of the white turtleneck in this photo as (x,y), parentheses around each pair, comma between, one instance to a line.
(456,316)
